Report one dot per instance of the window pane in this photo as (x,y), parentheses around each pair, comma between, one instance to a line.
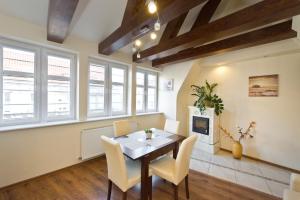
(18,60)
(96,98)
(18,98)
(117,98)
(139,98)
(151,98)
(58,98)
(59,66)
(140,78)
(97,72)
(151,80)
(118,75)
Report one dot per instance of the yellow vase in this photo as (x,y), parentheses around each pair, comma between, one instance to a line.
(237,150)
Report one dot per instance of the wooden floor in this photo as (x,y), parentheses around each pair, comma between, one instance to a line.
(88,181)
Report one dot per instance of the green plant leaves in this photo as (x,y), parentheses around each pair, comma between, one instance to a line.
(206,98)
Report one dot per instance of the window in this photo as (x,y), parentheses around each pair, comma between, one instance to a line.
(60,86)
(36,85)
(107,89)
(18,85)
(146,91)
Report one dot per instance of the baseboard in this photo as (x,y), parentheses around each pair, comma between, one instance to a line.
(267,162)
(49,173)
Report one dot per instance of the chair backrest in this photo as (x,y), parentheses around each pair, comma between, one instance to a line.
(183,158)
(122,127)
(171,126)
(116,167)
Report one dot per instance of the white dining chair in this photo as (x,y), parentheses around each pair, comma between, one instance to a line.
(171,126)
(175,170)
(123,173)
(122,127)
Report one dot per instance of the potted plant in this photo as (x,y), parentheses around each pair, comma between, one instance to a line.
(207,98)
(237,148)
(148,133)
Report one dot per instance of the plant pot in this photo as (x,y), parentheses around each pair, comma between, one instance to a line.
(148,135)
(237,150)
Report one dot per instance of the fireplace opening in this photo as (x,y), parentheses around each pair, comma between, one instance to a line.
(201,125)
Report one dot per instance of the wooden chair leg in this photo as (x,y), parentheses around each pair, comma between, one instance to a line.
(150,188)
(124,195)
(187,187)
(109,189)
(175,191)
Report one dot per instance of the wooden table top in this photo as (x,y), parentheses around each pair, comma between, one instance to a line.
(135,145)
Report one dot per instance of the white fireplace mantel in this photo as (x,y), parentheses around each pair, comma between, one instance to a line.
(209,143)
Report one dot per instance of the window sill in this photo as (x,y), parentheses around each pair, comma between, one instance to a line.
(49,124)
(92,119)
(149,113)
(41,125)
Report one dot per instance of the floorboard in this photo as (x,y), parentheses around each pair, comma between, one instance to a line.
(88,181)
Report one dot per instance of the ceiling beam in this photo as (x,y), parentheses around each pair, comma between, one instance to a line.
(270,34)
(254,16)
(173,27)
(60,14)
(132,8)
(126,33)
(206,13)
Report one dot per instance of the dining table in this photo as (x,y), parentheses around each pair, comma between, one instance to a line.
(137,146)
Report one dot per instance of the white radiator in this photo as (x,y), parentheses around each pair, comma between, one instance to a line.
(91,140)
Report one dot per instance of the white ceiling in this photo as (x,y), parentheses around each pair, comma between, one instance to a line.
(94,20)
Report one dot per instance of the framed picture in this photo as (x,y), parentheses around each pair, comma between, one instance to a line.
(263,86)
(168,84)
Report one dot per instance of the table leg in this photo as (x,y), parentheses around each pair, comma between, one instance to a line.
(175,150)
(144,177)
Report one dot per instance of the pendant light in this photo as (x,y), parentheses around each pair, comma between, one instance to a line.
(152,8)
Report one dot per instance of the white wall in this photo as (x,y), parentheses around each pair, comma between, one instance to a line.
(278,134)
(168,99)
(28,153)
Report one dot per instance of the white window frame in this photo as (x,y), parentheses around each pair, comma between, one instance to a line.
(72,79)
(40,82)
(108,88)
(37,60)
(106,100)
(146,87)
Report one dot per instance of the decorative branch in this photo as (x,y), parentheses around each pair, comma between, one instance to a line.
(242,135)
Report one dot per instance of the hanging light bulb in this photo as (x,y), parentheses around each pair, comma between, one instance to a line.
(134,49)
(138,55)
(152,8)
(138,43)
(157,25)
(153,36)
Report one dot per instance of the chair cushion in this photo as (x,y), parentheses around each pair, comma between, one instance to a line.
(164,168)
(291,195)
(134,172)
(295,182)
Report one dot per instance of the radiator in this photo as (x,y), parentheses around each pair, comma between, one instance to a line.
(90,140)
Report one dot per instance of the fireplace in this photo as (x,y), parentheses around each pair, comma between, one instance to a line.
(201,125)
(206,126)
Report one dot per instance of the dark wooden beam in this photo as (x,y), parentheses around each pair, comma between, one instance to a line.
(168,10)
(60,14)
(206,13)
(254,16)
(132,8)
(270,34)
(173,28)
